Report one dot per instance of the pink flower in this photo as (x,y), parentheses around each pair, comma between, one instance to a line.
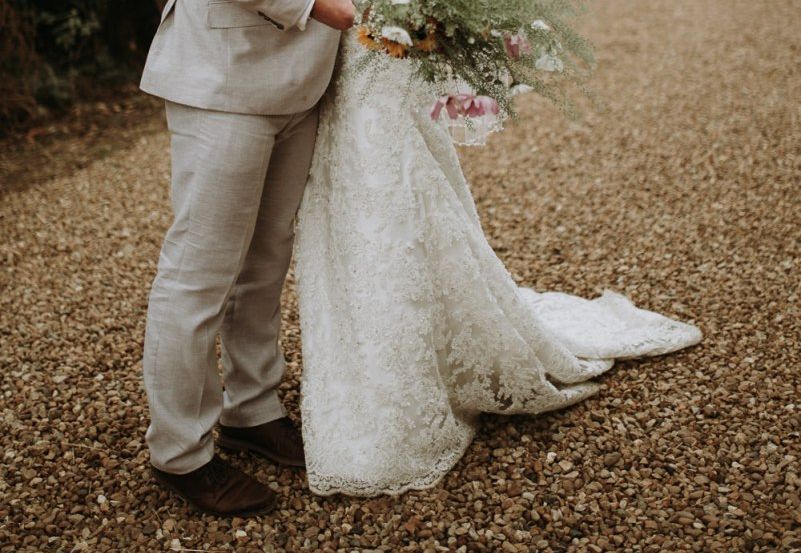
(517,45)
(465,105)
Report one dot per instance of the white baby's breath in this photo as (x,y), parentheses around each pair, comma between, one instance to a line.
(488,51)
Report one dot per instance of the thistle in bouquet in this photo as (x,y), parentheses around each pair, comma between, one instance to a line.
(479,53)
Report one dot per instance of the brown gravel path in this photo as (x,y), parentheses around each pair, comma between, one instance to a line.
(685,195)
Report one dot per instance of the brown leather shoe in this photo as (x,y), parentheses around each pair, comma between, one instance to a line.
(219,489)
(277,440)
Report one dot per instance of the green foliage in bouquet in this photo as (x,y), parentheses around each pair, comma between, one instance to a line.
(488,47)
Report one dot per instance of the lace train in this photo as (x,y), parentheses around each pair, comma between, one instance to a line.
(411,324)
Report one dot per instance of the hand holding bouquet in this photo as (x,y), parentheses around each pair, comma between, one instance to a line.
(490,49)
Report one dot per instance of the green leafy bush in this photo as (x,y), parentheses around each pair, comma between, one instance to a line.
(55,52)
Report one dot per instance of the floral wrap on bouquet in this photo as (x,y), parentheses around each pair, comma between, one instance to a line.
(480,53)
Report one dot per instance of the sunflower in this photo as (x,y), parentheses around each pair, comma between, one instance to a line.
(367,40)
(395,49)
(428,44)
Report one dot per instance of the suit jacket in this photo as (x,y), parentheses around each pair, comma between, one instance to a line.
(240,56)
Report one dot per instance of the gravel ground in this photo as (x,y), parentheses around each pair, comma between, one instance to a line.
(684,195)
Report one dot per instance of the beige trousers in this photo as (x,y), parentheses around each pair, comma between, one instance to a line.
(237,182)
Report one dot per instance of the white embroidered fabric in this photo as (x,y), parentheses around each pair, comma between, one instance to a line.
(411,324)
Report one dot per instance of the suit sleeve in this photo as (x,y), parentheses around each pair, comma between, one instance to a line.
(284,14)
(306,15)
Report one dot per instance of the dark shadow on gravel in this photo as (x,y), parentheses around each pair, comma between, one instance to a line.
(60,147)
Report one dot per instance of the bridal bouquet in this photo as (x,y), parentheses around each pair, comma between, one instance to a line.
(480,53)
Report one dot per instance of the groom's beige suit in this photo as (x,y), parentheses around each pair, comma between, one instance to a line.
(242,79)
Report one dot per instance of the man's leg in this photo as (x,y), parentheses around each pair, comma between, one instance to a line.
(253,362)
(219,163)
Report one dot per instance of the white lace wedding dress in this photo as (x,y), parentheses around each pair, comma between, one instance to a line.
(411,324)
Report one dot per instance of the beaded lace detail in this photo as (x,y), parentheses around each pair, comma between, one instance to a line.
(411,324)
